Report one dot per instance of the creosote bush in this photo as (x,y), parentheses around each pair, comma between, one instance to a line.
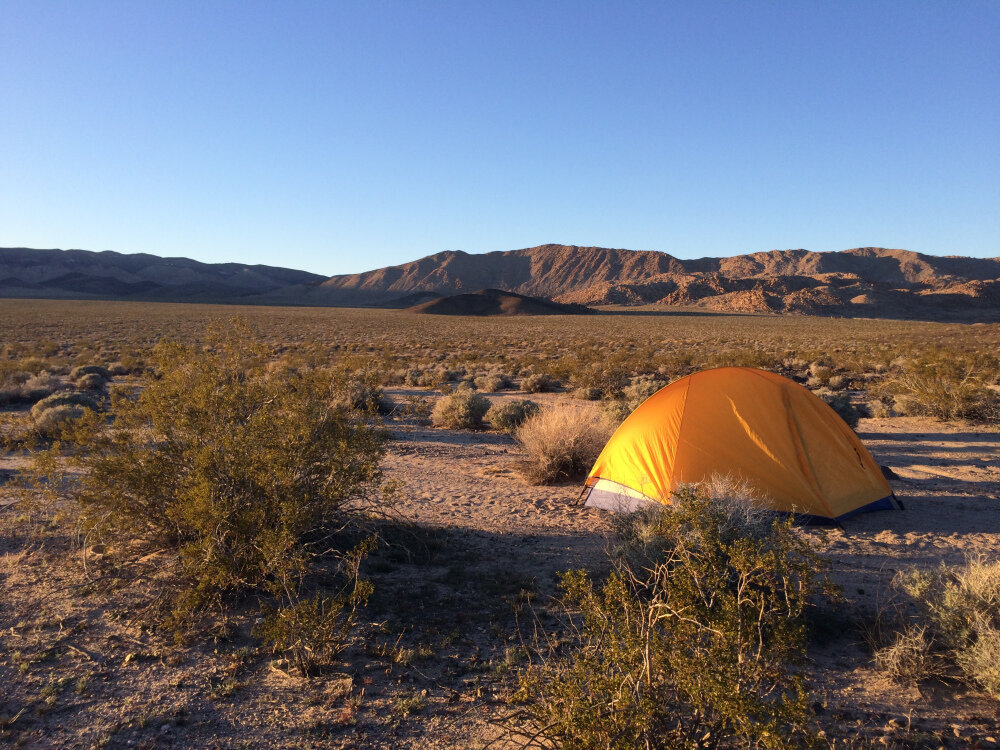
(463,409)
(562,442)
(236,478)
(510,415)
(693,638)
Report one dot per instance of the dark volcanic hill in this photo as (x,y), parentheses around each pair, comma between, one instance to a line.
(496,302)
(81,274)
(860,282)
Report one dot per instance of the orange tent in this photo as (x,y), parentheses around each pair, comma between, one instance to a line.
(752,425)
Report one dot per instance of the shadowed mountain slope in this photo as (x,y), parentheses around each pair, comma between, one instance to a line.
(496,302)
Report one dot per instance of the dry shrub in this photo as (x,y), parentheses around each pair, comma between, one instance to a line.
(691,641)
(78,372)
(23,387)
(842,404)
(462,410)
(90,382)
(819,374)
(641,388)
(539,383)
(53,422)
(76,399)
(510,415)
(616,411)
(837,383)
(563,442)
(587,394)
(493,382)
(942,389)
(362,392)
(959,612)
(910,657)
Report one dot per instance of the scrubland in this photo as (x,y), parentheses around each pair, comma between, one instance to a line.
(291,527)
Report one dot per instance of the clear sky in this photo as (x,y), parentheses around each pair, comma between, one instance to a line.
(339,136)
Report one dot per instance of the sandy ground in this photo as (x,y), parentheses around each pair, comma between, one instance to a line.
(441,635)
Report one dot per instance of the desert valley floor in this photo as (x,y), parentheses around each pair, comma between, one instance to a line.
(468,565)
(495,546)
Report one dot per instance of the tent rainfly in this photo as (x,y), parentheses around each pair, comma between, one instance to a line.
(754,426)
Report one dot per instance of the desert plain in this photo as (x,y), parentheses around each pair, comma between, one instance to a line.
(469,559)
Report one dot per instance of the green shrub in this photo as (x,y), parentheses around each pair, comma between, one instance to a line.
(562,442)
(693,637)
(314,630)
(538,383)
(462,410)
(239,477)
(510,415)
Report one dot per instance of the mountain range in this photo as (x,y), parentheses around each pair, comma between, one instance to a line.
(869,281)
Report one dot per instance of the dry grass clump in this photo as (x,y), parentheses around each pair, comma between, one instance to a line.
(587,394)
(510,415)
(462,410)
(694,636)
(957,628)
(563,442)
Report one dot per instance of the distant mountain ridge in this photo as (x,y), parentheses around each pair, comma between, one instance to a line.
(82,274)
(857,282)
(861,282)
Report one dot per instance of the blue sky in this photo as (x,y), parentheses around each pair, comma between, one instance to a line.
(338,136)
